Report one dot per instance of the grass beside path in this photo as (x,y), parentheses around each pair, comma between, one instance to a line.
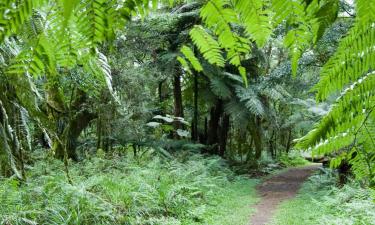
(234,206)
(320,202)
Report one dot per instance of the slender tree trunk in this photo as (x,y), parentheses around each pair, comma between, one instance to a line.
(160,91)
(256,133)
(177,94)
(99,131)
(223,135)
(195,117)
(214,125)
(250,150)
(288,143)
(271,145)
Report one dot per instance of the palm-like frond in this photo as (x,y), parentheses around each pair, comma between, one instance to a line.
(15,14)
(251,100)
(207,45)
(255,17)
(352,66)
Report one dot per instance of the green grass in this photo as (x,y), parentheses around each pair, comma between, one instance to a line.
(321,202)
(122,190)
(235,204)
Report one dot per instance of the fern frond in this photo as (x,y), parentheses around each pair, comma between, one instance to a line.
(354,57)
(207,45)
(251,100)
(189,54)
(220,88)
(14,14)
(255,17)
(217,16)
(346,115)
(238,113)
(365,12)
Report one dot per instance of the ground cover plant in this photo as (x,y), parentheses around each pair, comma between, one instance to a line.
(118,189)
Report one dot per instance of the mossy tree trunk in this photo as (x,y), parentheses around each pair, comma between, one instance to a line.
(79,119)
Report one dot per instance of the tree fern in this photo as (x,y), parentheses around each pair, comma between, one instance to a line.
(91,21)
(218,16)
(352,68)
(33,60)
(207,45)
(255,16)
(189,54)
(251,101)
(15,14)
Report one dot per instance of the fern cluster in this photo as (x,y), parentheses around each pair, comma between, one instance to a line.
(43,41)
(347,130)
(121,190)
(232,27)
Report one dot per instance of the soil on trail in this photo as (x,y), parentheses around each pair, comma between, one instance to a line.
(278,188)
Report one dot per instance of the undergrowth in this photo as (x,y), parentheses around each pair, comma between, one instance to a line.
(124,190)
(267,164)
(320,201)
(294,158)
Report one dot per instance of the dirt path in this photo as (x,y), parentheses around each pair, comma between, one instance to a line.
(278,188)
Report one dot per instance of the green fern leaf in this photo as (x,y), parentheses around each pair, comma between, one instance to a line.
(255,18)
(207,45)
(189,54)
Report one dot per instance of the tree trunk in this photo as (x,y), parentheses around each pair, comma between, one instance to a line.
(256,134)
(250,150)
(223,135)
(194,127)
(177,94)
(271,145)
(76,124)
(288,143)
(214,125)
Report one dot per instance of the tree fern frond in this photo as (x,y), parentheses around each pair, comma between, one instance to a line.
(354,57)
(92,21)
(5,136)
(238,113)
(251,100)
(14,14)
(218,15)
(220,88)
(35,60)
(283,10)
(207,45)
(345,116)
(189,54)
(365,12)
(256,19)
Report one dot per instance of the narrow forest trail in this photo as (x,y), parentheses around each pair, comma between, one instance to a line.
(278,188)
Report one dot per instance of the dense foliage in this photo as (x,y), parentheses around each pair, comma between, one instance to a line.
(119,189)
(130,111)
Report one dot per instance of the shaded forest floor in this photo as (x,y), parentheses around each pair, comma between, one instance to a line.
(278,188)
